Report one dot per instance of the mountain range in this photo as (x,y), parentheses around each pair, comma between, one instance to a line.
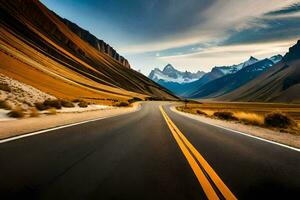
(232,81)
(280,83)
(58,57)
(170,74)
(203,86)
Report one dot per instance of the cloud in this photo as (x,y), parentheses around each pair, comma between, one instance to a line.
(292,9)
(227,55)
(217,22)
(189,33)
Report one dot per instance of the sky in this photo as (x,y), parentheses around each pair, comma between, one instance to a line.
(191,34)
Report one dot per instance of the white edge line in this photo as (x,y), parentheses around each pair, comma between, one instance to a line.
(62,126)
(173,109)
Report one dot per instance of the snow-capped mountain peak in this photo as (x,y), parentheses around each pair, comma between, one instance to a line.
(170,74)
(251,61)
(276,59)
(169,67)
(234,68)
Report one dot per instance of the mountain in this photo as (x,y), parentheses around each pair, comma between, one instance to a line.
(100,45)
(234,68)
(38,48)
(276,59)
(281,83)
(187,89)
(232,81)
(170,74)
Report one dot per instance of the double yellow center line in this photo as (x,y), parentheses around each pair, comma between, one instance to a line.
(201,169)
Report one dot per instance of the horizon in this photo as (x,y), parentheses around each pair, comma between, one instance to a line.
(195,42)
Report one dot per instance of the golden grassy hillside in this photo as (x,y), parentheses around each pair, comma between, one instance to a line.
(38,49)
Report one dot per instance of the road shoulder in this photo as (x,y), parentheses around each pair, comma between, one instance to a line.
(279,137)
(13,128)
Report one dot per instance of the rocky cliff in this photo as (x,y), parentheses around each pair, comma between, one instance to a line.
(100,45)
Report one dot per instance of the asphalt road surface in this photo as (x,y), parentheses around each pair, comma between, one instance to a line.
(142,155)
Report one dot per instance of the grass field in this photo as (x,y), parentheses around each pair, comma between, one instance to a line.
(293,110)
(249,113)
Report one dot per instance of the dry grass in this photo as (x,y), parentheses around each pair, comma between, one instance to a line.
(34,112)
(250,113)
(293,110)
(250,118)
(51,111)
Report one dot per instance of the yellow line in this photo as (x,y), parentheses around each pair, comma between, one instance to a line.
(209,170)
(208,189)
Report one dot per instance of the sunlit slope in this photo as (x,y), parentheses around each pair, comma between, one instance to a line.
(38,49)
(281,83)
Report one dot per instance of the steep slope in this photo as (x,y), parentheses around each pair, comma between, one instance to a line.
(170,74)
(100,45)
(280,83)
(37,48)
(230,82)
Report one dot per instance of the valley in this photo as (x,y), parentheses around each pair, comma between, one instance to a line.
(150,99)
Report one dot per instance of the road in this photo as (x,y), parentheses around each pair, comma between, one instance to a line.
(141,155)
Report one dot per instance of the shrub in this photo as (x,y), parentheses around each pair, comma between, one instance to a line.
(16,113)
(4,105)
(83,104)
(41,106)
(5,87)
(51,111)
(225,115)
(53,103)
(134,99)
(209,112)
(199,112)
(76,100)
(67,104)
(34,112)
(279,120)
(122,104)
(153,99)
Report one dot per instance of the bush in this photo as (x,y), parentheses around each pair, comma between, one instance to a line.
(41,106)
(5,87)
(199,112)
(76,100)
(279,120)
(153,99)
(134,99)
(34,112)
(122,104)
(83,104)
(53,103)
(225,115)
(67,104)
(16,113)
(4,105)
